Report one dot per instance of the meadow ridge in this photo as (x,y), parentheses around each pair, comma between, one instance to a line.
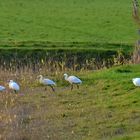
(95,21)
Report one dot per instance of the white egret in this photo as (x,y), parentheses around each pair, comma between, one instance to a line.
(47,82)
(14,86)
(73,80)
(136,81)
(2,88)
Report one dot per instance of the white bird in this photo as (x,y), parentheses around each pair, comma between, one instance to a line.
(2,88)
(72,80)
(136,81)
(14,86)
(47,82)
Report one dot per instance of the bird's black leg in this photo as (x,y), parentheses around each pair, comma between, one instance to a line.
(52,88)
(45,88)
(71,86)
(77,86)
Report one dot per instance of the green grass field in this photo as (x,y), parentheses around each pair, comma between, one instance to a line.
(95,21)
(106,107)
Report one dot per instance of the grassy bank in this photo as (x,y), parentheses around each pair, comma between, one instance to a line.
(46,45)
(106,107)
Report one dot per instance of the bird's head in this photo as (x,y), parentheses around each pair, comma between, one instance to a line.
(65,74)
(133,79)
(39,76)
(10,81)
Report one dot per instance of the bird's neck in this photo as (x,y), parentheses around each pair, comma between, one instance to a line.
(41,79)
(66,77)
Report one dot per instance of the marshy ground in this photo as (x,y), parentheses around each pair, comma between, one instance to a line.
(105,107)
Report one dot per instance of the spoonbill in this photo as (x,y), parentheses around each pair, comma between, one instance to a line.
(136,81)
(73,80)
(47,82)
(14,86)
(2,88)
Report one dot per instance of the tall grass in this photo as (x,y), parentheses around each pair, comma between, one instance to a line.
(60,60)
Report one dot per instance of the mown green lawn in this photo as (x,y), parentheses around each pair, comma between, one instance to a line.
(96,21)
(107,106)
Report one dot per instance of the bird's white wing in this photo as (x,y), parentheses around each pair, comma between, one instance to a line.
(74,79)
(136,81)
(48,82)
(2,88)
(14,86)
